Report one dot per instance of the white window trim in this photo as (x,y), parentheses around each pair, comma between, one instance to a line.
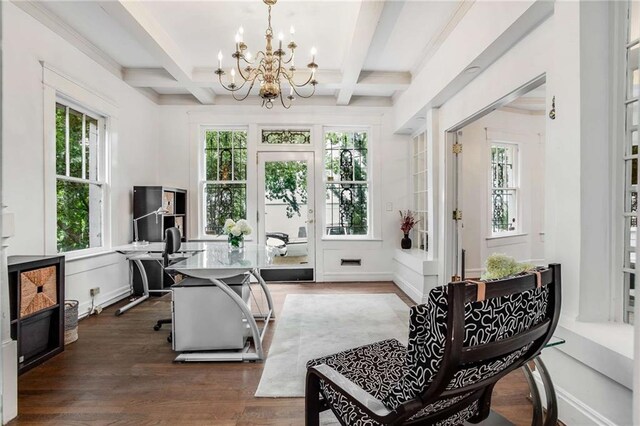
(422,227)
(516,165)
(201,182)
(370,182)
(58,86)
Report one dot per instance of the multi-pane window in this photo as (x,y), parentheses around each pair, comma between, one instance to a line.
(79,180)
(504,188)
(346,183)
(286,137)
(419,171)
(630,213)
(225,178)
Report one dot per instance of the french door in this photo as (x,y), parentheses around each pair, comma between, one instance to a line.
(286,213)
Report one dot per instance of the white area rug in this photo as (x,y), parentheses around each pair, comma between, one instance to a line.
(314,325)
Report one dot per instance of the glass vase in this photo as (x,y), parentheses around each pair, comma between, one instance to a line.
(236,243)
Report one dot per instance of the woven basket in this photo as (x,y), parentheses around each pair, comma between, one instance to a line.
(70,321)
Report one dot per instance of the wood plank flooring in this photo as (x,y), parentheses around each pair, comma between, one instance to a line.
(120,372)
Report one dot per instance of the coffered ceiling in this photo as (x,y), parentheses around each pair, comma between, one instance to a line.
(367,49)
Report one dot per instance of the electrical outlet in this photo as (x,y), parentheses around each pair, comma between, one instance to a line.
(93,292)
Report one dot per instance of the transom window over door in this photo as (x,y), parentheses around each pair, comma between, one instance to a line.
(504,188)
(225,178)
(79,180)
(346,183)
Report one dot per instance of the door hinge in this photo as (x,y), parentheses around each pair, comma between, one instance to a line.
(457,148)
(457,214)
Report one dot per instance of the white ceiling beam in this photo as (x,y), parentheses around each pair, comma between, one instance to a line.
(356,54)
(396,80)
(149,77)
(146,30)
(205,77)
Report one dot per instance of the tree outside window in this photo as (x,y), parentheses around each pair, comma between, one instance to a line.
(504,188)
(79,188)
(225,185)
(346,183)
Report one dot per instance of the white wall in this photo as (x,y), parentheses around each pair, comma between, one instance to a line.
(571,48)
(179,136)
(528,132)
(133,157)
(27,43)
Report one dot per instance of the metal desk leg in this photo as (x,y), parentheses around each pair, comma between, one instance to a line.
(145,289)
(232,355)
(265,290)
(539,418)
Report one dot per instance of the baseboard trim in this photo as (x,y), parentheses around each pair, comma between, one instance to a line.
(413,293)
(571,410)
(107,299)
(9,380)
(356,276)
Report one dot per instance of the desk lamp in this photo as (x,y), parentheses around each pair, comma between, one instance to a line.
(160,211)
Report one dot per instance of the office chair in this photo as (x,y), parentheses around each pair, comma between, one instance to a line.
(172,242)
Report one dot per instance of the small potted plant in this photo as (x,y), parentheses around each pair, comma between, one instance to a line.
(407,222)
(236,232)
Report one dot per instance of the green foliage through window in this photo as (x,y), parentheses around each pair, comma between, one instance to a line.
(286,181)
(346,183)
(78,190)
(225,191)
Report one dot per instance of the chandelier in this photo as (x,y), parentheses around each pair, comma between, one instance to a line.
(269,68)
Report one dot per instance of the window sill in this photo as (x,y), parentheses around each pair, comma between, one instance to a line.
(81,255)
(606,347)
(344,238)
(498,237)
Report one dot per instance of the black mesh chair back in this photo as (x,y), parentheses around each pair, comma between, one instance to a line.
(172,242)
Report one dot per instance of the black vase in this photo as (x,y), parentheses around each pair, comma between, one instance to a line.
(406,242)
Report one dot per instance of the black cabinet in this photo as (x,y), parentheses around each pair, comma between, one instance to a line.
(36,293)
(147,199)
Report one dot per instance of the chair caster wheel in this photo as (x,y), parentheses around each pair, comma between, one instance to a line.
(156,327)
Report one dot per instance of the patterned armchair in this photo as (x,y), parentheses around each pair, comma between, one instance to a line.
(461,342)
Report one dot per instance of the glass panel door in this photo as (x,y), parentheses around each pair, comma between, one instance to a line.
(286,213)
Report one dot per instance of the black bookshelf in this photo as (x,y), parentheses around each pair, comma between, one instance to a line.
(147,199)
(36,300)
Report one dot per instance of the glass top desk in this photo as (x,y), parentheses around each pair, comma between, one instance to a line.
(215,264)
(136,253)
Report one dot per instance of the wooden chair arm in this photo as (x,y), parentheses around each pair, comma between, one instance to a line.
(372,406)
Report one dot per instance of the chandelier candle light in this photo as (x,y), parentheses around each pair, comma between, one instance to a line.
(270,68)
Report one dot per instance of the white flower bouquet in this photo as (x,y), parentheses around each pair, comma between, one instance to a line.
(236,232)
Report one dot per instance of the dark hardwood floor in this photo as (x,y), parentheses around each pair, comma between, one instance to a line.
(120,372)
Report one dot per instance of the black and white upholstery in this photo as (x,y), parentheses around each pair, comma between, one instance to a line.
(439,379)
